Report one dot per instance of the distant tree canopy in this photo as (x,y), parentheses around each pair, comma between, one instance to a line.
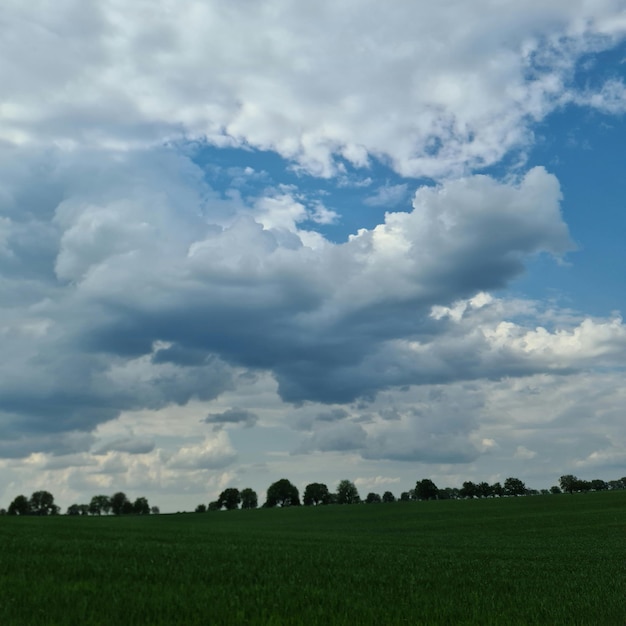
(282,493)
(426,490)
(514,487)
(229,499)
(316,494)
(249,499)
(347,493)
(388,497)
(19,506)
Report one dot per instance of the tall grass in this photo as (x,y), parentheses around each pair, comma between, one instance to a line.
(533,560)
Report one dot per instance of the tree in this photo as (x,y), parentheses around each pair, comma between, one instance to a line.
(388,497)
(120,503)
(347,493)
(426,489)
(599,485)
(373,498)
(514,487)
(215,506)
(19,506)
(555,489)
(497,489)
(468,490)
(201,508)
(42,503)
(99,505)
(484,490)
(315,494)
(155,510)
(405,496)
(249,499)
(229,499)
(568,483)
(282,493)
(141,507)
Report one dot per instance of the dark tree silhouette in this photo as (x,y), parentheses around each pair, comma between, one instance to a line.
(42,503)
(229,499)
(19,506)
(426,489)
(282,493)
(388,497)
(315,494)
(514,487)
(347,493)
(249,499)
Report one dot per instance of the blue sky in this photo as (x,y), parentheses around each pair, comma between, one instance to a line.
(246,242)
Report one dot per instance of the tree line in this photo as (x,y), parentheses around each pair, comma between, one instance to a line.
(42,503)
(283,493)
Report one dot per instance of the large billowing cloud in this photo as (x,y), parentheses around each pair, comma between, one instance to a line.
(433,87)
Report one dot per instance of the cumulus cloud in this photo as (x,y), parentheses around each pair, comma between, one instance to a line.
(214,452)
(141,295)
(316,85)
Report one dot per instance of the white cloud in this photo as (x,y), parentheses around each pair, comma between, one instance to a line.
(309,83)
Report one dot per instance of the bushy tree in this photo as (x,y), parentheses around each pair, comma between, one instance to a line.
(42,503)
(484,490)
(347,493)
(555,489)
(99,505)
(249,499)
(282,493)
(405,496)
(201,508)
(155,510)
(388,497)
(120,504)
(315,494)
(497,489)
(141,507)
(19,506)
(514,487)
(426,490)
(468,490)
(373,498)
(215,506)
(568,483)
(229,499)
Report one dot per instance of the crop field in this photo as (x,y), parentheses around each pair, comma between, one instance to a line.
(533,560)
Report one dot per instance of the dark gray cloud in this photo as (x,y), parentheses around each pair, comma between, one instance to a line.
(148,298)
(233,416)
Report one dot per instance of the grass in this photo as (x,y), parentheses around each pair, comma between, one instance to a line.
(534,560)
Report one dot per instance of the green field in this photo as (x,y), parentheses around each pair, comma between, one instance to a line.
(533,560)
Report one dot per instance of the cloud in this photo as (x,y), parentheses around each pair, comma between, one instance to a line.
(141,295)
(304,84)
(214,452)
(233,416)
(388,196)
(131,445)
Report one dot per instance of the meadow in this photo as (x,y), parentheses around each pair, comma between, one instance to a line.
(531,560)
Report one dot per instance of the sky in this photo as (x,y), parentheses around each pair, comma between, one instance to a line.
(248,241)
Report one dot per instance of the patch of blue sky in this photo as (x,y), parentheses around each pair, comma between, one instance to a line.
(359,196)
